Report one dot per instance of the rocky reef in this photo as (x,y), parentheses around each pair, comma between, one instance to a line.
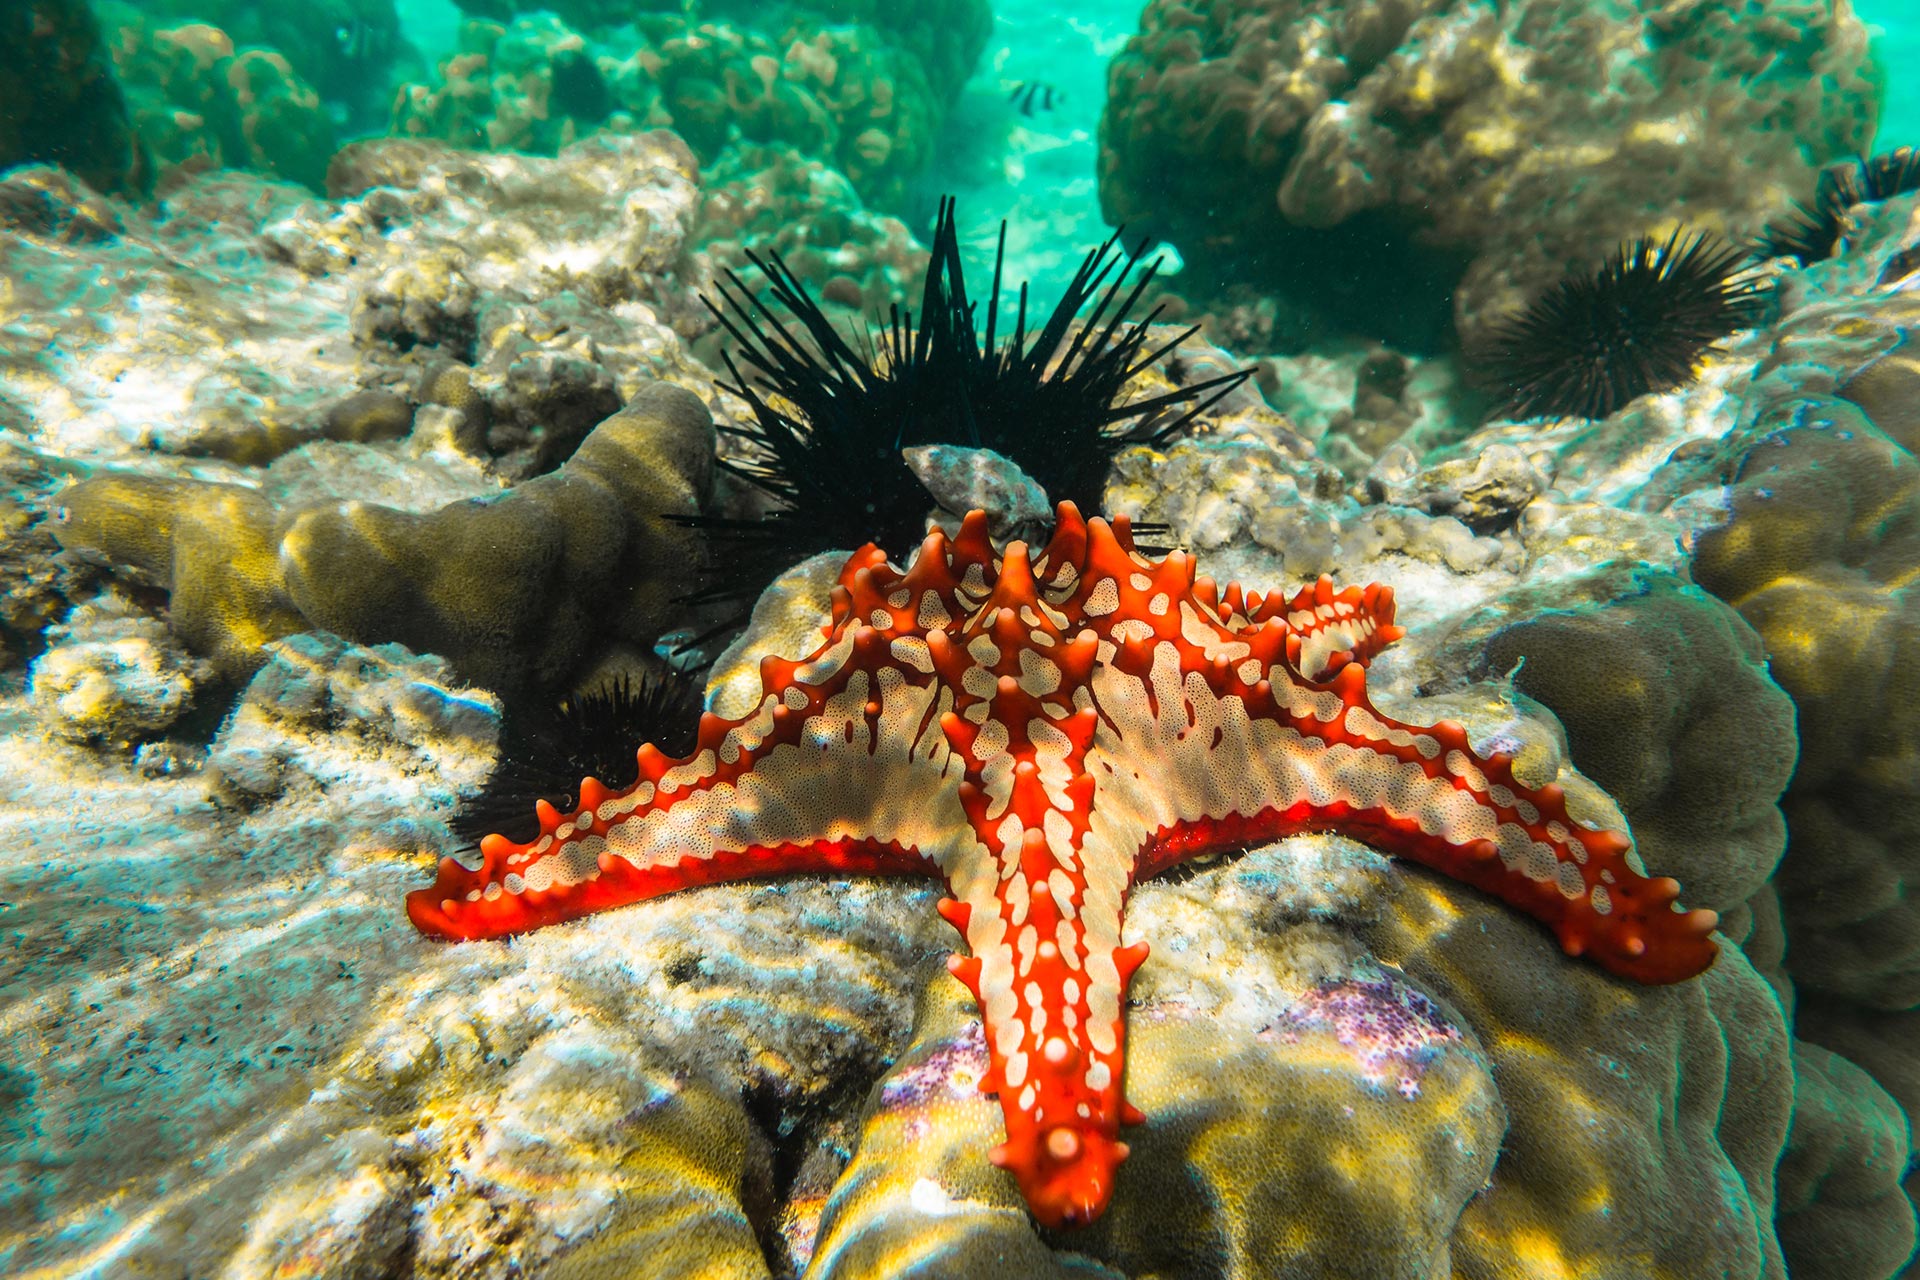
(463,508)
(1401,169)
(299,490)
(862,87)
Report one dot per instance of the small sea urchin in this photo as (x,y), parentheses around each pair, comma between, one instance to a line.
(546,751)
(1811,232)
(1591,343)
(831,418)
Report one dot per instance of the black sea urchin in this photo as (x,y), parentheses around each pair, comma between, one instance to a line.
(1591,343)
(831,419)
(544,753)
(1811,232)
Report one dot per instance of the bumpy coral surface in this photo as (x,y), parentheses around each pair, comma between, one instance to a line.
(1668,705)
(1371,158)
(345,49)
(479,356)
(199,103)
(863,91)
(511,589)
(773,198)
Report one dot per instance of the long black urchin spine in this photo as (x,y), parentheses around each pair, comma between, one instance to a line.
(830,420)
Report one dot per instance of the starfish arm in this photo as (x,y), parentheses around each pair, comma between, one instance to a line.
(1047,966)
(754,799)
(1247,719)
(1039,907)
(1249,762)
(1325,629)
(449,909)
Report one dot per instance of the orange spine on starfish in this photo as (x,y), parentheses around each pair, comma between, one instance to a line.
(1040,732)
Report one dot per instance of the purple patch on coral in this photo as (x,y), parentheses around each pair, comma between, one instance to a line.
(1395,1032)
(950,1072)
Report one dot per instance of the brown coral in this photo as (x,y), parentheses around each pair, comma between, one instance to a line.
(199,103)
(1369,158)
(511,589)
(1817,557)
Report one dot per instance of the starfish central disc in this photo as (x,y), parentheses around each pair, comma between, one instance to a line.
(1041,732)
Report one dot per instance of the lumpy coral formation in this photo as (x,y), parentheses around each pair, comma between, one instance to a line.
(863,88)
(479,361)
(511,588)
(1668,704)
(346,49)
(1383,161)
(199,102)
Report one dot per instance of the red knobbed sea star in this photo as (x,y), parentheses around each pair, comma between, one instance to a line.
(1041,733)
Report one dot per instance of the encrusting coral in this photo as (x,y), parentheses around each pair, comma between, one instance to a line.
(512,589)
(210,546)
(1808,528)
(1839,1181)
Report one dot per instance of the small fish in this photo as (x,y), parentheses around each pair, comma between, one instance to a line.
(358,40)
(1030,96)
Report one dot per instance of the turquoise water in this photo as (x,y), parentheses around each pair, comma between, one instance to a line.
(1896,46)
